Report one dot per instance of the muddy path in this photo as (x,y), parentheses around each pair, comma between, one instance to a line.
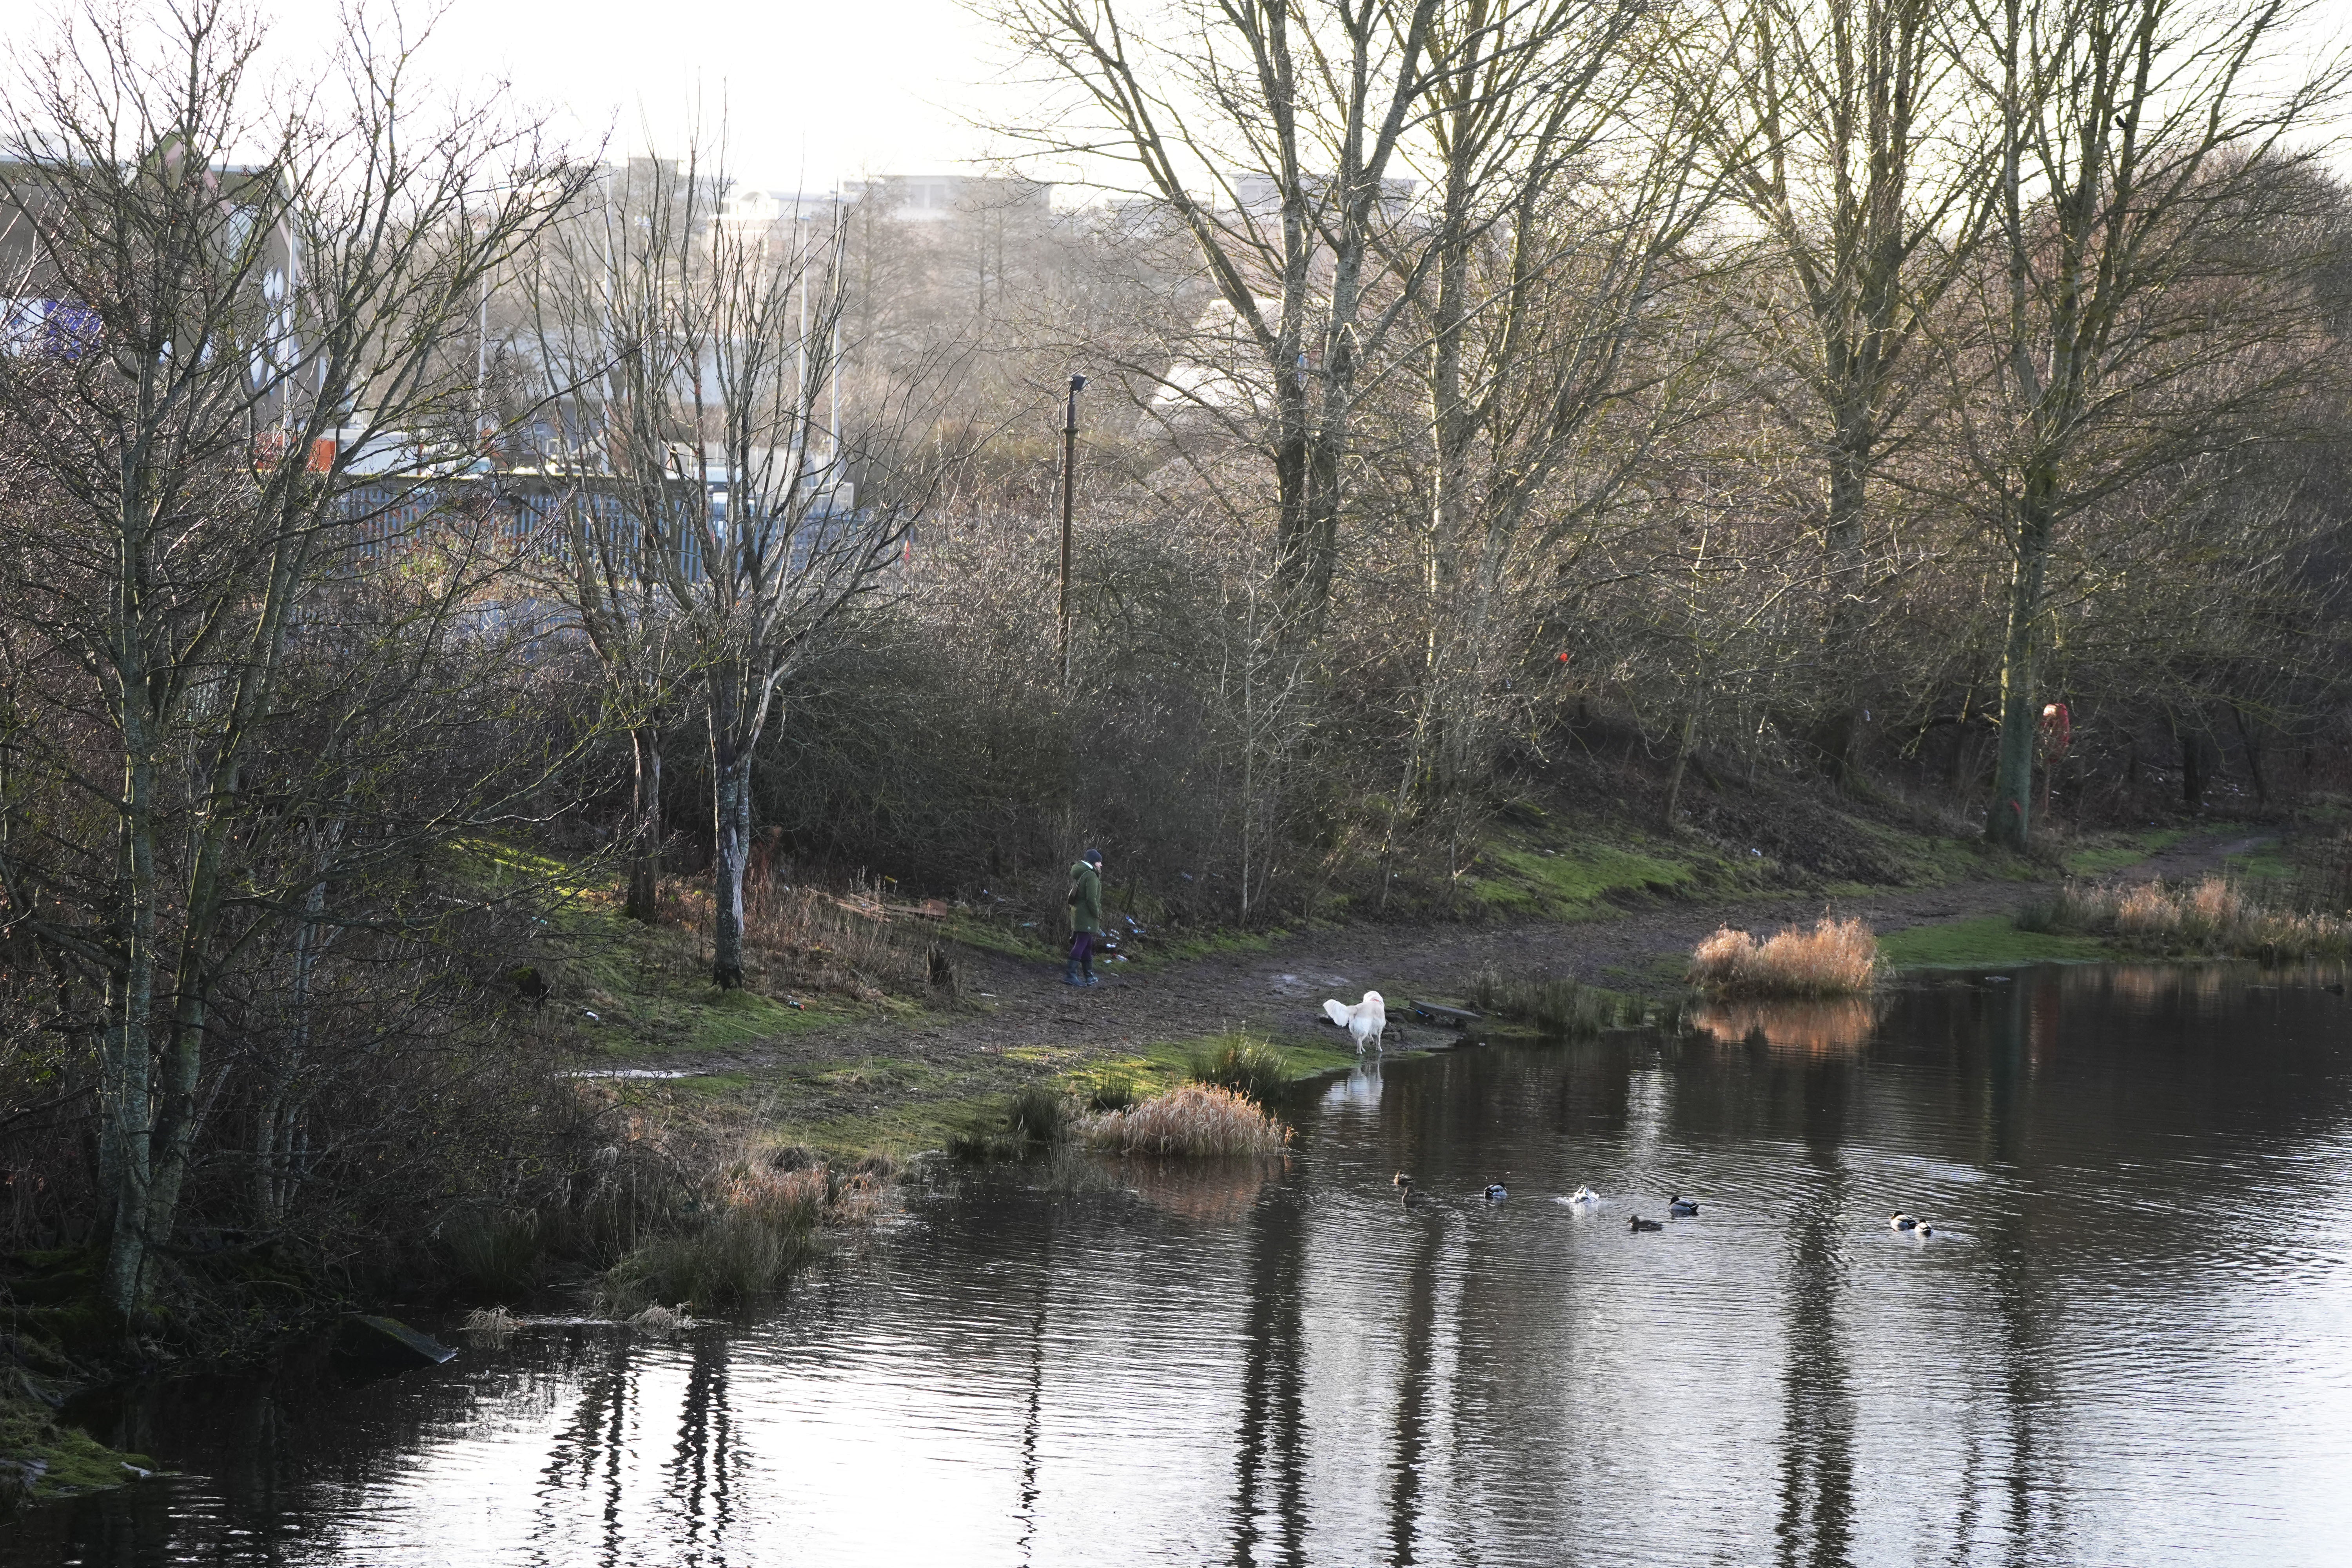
(1279,991)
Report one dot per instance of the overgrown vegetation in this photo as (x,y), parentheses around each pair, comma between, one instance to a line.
(1253,1068)
(2214,916)
(1835,958)
(1197,1121)
(1562,1008)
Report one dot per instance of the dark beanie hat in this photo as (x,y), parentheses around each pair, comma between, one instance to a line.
(1093,857)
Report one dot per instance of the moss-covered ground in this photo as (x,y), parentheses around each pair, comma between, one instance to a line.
(847,1109)
(40,1457)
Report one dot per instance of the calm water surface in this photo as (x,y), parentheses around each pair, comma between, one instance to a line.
(2133,1346)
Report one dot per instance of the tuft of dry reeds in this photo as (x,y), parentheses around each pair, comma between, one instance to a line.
(1836,958)
(496,1322)
(664,1320)
(2215,917)
(1198,1119)
(757,1218)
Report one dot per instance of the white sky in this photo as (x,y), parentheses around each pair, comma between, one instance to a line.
(839,90)
(814,92)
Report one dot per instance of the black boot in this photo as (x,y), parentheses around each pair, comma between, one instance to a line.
(1070,973)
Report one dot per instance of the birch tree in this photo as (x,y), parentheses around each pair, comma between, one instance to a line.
(183,419)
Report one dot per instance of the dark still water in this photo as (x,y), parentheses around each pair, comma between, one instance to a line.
(2130,1342)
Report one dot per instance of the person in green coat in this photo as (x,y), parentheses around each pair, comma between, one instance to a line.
(1085,919)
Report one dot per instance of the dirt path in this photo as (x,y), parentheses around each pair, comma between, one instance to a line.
(1279,991)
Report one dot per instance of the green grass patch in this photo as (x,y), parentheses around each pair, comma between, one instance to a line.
(2266,862)
(1991,941)
(1515,876)
(2129,849)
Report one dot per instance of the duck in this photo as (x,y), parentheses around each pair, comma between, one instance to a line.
(1682,1206)
(1494,1193)
(1909,1225)
(1638,1223)
(1403,1184)
(1584,1196)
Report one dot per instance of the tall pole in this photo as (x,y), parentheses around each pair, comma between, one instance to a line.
(1069,498)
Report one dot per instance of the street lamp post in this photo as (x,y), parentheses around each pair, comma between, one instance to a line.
(1070,497)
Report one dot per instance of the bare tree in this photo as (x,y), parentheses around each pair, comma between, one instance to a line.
(1291,113)
(187,425)
(696,361)
(1566,190)
(1842,129)
(2129,325)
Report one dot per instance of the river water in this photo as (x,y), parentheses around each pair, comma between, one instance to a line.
(2130,1341)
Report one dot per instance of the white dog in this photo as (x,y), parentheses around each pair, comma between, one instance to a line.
(1365,1022)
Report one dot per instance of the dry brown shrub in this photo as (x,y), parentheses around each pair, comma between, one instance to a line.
(1836,958)
(1197,1120)
(2215,916)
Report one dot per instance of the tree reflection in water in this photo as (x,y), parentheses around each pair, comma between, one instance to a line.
(1273,1363)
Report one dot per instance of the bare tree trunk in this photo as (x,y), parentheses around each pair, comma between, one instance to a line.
(731,820)
(646,826)
(2011,821)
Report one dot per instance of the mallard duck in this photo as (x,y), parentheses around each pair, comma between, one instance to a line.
(1638,1223)
(1682,1205)
(1494,1193)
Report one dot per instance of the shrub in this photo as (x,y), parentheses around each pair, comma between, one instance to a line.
(2214,916)
(1836,958)
(1559,1007)
(1112,1094)
(1251,1068)
(1042,1114)
(1199,1119)
(756,1222)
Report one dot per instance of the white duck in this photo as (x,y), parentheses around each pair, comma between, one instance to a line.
(1364,1021)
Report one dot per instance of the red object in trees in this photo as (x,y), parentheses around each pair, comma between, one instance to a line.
(2057,730)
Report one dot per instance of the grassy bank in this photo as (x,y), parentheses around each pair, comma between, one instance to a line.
(41,1459)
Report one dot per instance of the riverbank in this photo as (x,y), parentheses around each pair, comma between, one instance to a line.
(772,1076)
(907,1082)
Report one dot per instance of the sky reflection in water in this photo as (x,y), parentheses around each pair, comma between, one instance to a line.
(2131,1345)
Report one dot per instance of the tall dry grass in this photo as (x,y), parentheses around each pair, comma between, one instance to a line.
(758,1218)
(1197,1120)
(1836,958)
(2215,916)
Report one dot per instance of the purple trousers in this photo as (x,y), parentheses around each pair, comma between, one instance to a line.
(1082,950)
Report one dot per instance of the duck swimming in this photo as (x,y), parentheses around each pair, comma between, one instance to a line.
(1494,1193)
(1909,1225)
(1638,1223)
(1682,1205)
(1403,1184)
(1584,1196)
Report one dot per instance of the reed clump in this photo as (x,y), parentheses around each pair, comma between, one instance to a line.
(1558,1006)
(750,1225)
(496,1322)
(1250,1068)
(2213,917)
(1198,1119)
(1835,958)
